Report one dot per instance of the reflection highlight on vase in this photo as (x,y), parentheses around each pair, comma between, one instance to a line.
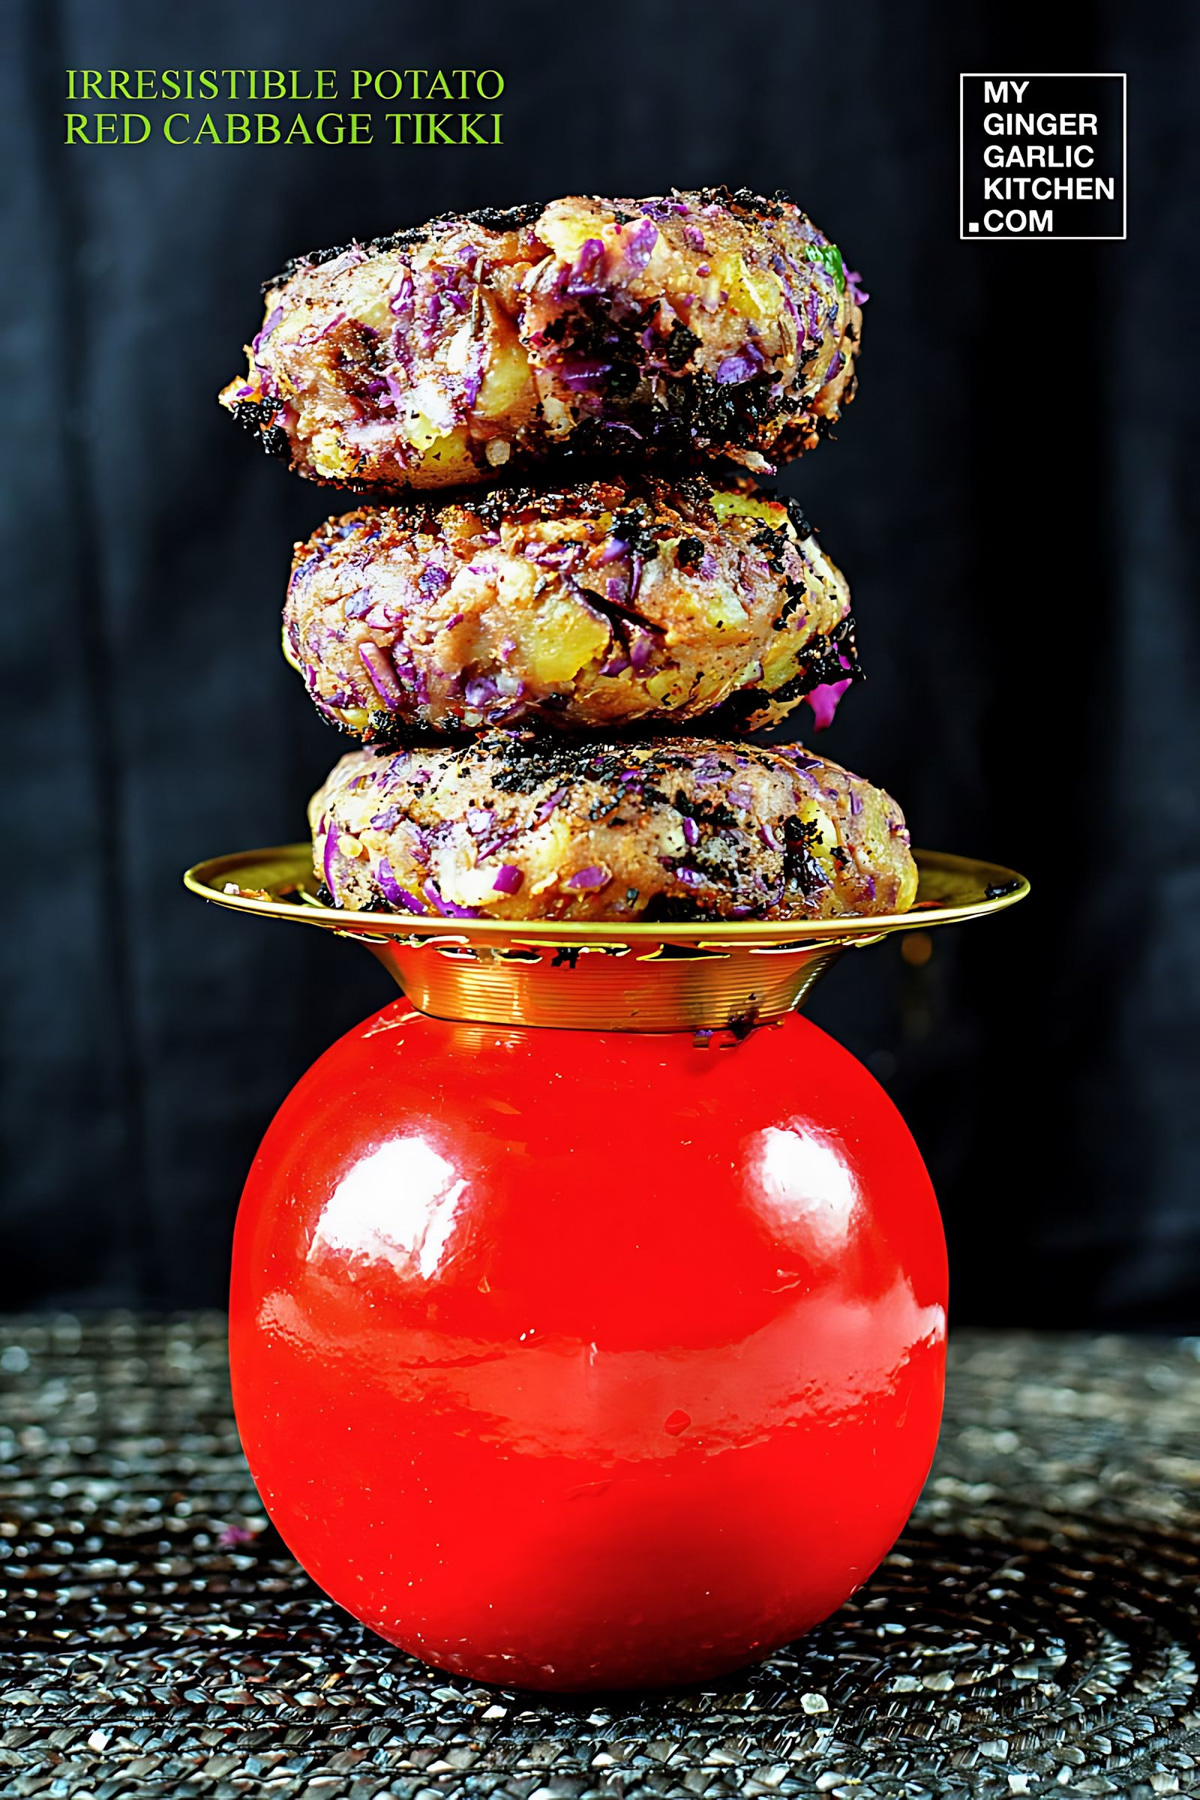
(398,1206)
(806,1187)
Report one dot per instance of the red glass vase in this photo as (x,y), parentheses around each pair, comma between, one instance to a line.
(578,1359)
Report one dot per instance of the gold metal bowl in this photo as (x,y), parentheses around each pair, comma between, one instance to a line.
(601,977)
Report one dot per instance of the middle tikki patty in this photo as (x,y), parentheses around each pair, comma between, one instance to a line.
(599,603)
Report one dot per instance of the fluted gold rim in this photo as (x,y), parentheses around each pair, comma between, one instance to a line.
(279,883)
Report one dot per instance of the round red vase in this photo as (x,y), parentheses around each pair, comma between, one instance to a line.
(574,1359)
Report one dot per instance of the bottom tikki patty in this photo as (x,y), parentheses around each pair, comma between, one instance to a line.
(513,827)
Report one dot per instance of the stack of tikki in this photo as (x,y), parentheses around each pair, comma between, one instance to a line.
(563,408)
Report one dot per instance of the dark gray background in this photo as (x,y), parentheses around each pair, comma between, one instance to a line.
(1013,496)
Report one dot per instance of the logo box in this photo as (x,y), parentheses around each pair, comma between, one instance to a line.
(1042,157)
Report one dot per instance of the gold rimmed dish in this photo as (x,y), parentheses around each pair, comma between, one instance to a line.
(601,976)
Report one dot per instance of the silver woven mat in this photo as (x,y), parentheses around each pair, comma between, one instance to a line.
(1035,1632)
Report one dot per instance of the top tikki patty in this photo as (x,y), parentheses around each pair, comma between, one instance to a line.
(601,603)
(698,325)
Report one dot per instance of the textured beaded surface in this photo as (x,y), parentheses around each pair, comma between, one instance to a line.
(1035,1631)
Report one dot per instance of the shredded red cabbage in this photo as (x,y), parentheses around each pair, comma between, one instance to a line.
(824,701)
(641,648)
(267,329)
(400,294)
(548,806)
(594,877)
(327,859)
(741,366)
(638,247)
(508,879)
(489,846)
(586,274)
(433,580)
(447,908)
(583,373)
(375,661)
(393,893)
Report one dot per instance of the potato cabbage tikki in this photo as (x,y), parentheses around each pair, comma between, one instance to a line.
(696,325)
(599,604)
(516,827)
